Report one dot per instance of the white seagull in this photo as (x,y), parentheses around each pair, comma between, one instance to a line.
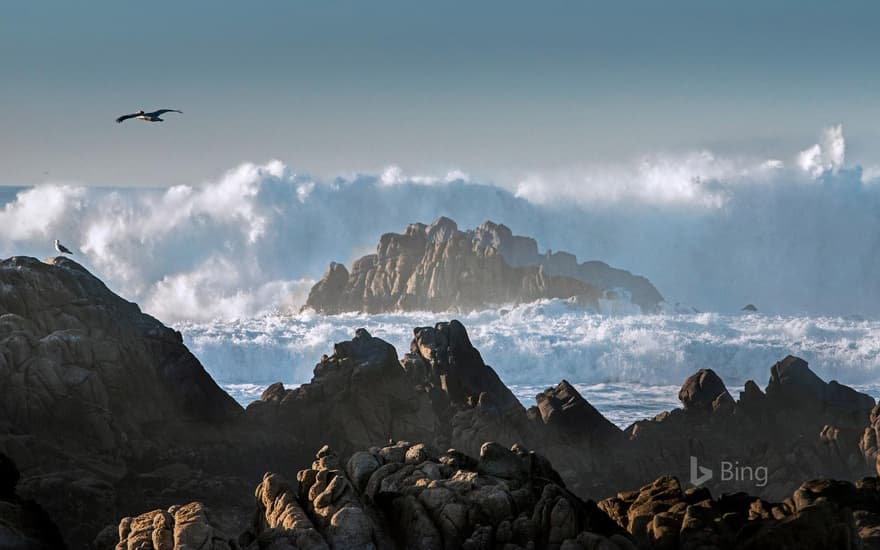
(149,117)
(61,248)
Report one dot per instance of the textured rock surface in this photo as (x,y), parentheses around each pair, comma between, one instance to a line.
(190,526)
(507,498)
(89,387)
(801,428)
(704,391)
(407,496)
(820,514)
(107,414)
(437,268)
(359,397)
(23,523)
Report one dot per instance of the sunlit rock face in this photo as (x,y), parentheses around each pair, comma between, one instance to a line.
(438,267)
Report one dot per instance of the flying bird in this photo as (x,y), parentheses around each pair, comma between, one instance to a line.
(149,117)
(61,248)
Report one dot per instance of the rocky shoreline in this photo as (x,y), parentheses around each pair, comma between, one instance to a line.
(107,416)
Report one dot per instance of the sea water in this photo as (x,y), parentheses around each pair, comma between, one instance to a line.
(628,366)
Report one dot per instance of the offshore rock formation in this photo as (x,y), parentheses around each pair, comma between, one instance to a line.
(438,268)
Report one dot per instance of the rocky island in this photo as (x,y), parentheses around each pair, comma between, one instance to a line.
(438,267)
(113,436)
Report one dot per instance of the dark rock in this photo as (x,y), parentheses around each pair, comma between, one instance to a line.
(498,461)
(23,523)
(359,397)
(456,367)
(90,385)
(794,386)
(700,391)
(563,407)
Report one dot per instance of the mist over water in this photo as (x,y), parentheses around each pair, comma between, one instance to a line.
(794,237)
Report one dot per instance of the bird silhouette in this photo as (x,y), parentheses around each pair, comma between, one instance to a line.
(149,117)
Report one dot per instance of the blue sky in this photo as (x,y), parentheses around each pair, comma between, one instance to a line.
(496,89)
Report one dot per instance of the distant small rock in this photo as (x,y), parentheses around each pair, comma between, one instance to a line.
(750,308)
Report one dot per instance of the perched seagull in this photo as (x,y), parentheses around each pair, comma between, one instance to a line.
(61,248)
(149,117)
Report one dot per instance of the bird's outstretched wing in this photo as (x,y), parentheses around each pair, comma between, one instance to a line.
(163,111)
(126,117)
(64,249)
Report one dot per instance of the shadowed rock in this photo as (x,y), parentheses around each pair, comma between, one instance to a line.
(704,391)
(23,523)
(358,397)
(87,383)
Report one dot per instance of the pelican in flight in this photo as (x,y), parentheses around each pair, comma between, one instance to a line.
(61,248)
(149,117)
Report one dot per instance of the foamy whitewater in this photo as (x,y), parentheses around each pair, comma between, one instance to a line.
(628,367)
(796,235)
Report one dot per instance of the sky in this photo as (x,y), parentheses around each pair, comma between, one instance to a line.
(499,90)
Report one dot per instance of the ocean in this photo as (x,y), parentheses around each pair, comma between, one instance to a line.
(628,366)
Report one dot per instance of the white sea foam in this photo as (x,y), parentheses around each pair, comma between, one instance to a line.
(535,345)
(791,237)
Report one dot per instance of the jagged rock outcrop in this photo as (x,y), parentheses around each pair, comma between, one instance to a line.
(24,525)
(820,514)
(442,357)
(437,268)
(581,442)
(359,397)
(89,386)
(870,442)
(180,527)
(107,415)
(521,251)
(801,428)
(441,392)
(411,496)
